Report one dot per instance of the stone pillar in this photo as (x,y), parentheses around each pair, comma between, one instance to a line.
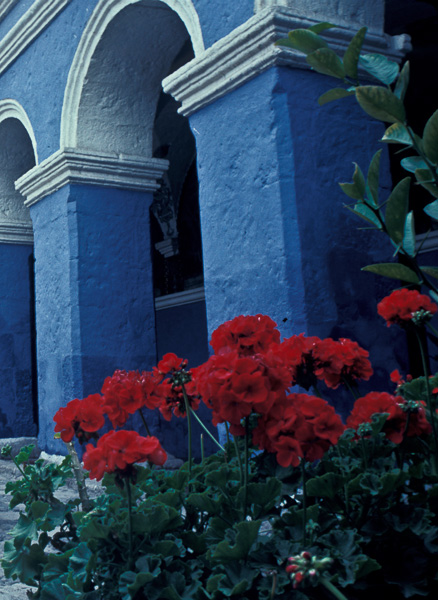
(276,238)
(93,273)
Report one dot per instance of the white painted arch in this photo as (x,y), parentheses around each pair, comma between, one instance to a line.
(11,109)
(103,14)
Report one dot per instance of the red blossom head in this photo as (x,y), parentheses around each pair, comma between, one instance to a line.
(402,306)
(171,363)
(245,334)
(116,451)
(336,361)
(82,418)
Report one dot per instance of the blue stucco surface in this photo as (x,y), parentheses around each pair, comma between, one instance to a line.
(219,18)
(16,403)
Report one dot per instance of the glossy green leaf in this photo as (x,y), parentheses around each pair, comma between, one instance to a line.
(355,190)
(430,138)
(412,163)
(397,209)
(393,271)
(319,27)
(327,62)
(351,56)
(380,67)
(380,103)
(432,209)
(432,271)
(365,212)
(409,237)
(397,133)
(402,82)
(372,184)
(334,94)
(303,40)
(425,178)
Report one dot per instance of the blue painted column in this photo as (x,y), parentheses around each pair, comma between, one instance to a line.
(17,416)
(94,295)
(276,237)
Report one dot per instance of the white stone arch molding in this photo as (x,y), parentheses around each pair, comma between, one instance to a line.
(103,14)
(11,109)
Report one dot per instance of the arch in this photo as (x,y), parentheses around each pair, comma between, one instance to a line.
(97,25)
(11,109)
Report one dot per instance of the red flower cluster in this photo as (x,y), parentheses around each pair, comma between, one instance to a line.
(310,359)
(402,305)
(247,335)
(126,392)
(234,386)
(170,363)
(173,399)
(299,427)
(395,425)
(117,450)
(80,418)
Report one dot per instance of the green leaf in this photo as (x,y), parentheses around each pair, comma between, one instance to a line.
(425,179)
(204,503)
(24,564)
(393,271)
(432,209)
(412,163)
(432,271)
(380,103)
(24,454)
(334,94)
(430,138)
(303,40)
(351,56)
(321,27)
(247,532)
(325,486)
(327,62)
(355,190)
(372,184)
(402,82)
(397,133)
(380,67)
(365,212)
(409,237)
(397,209)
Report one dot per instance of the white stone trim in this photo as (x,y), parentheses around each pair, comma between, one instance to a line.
(16,233)
(249,50)
(27,29)
(11,109)
(103,14)
(428,242)
(180,298)
(72,166)
(7,5)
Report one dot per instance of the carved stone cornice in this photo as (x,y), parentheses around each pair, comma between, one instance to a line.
(249,50)
(180,298)
(73,166)
(16,233)
(27,29)
(6,7)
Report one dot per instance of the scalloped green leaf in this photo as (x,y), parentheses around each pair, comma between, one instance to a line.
(425,179)
(247,532)
(352,54)
(380,103)
(432,209)
(325,486)
(409,237)
(355,190)
(430,138)
(372,183)
(412,163)
(396,210)
(303,40)
(321,27)
(397,133)
(380,67)
(327,62)
(393,271)
(402,82)
(334,94)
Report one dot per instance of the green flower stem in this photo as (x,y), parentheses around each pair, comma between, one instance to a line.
(432,328)
(246,472)
(332,588)
(144,422)
(429,398)
(79,476)
(189,428)
(227,431)
(192,412)
(129,496)
(350,388)
(202,448)
(303,474)
(239,459)
(19,468)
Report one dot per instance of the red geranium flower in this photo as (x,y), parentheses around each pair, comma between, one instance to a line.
(336,360)
(171,363)
(117,450)
(80,418)
(401,306)
(245,334)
